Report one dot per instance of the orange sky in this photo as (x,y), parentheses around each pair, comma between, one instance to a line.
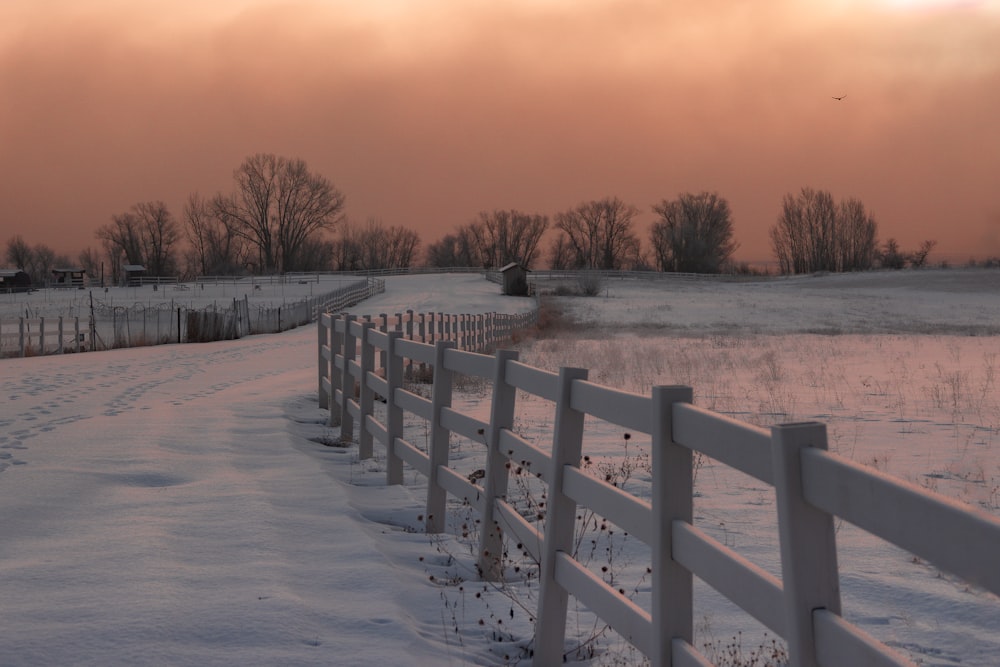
(424,112)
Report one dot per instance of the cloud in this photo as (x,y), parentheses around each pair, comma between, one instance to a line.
(426,113)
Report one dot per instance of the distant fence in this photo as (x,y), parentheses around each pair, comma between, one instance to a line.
(41,335)
(813,488)
(110,327)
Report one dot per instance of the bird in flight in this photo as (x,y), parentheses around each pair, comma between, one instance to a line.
(839,98)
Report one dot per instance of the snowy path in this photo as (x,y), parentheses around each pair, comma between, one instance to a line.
(156,510)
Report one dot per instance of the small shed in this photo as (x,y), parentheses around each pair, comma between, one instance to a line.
(14,280)
(134,274)
(71,277)
(515,279)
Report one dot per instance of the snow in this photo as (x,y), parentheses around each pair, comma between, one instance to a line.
(181,504)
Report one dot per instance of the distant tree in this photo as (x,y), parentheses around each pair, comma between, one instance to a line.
(374,246)
(346,250)
(37,261)
(160,233)
(815,234)
(279,207)
(455,249)
(91,262)
(387,247)
(561,257)
(857,236)
(597,235)
(147,234)
(918,258)
(694,233)
(20,255)
(315,254)
(508,236)
(891,256)
(493,239)
(214,248)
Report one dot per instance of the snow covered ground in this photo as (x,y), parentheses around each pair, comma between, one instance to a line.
(172,504)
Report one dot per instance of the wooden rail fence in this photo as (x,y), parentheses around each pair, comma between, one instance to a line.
(360,359)
(42,335)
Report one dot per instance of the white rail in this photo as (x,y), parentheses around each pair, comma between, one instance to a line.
(42,335)
(812,487)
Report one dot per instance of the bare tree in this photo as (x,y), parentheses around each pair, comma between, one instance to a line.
(121,240)
(918,258)
(599,235)
(160,234)
(401,247)
(508,236)
(456,249)
(37,261)
(493,239)
(892,257)
(858,235)
(315,254)
(694,233)
(20,255)
(346,250)
(279,206)
(814,234)
(560,254)
(147,234)
(91,262)
(214,248)
(374,246)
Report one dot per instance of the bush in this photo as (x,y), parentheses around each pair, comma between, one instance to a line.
(589,284)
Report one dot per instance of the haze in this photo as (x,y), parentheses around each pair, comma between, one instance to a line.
(424,113)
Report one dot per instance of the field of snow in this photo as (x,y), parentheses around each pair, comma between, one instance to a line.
(181,505)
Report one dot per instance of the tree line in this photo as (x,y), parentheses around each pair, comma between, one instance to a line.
(283,217)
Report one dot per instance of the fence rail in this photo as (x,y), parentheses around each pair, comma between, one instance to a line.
(42,335)
(361,358)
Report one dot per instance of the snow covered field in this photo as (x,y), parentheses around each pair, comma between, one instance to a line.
(170,505)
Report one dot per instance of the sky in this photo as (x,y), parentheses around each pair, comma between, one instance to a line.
(425,113)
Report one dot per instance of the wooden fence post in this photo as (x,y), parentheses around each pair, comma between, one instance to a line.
(808,542)
(347,381)
(336,379)
(76,332)
(366,445)
(383,326)
(393,413)
(409,336)
(497,474)
(20,331)
(673,500)
(560,520)
(60,348)
(440,440)
(323,366)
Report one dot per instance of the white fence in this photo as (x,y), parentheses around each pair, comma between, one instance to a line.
(813,488)
(42,335)
(106,326)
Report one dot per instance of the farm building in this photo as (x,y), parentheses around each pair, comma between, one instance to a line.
(14,280)
(68,277)
(134,274)
(515,279)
